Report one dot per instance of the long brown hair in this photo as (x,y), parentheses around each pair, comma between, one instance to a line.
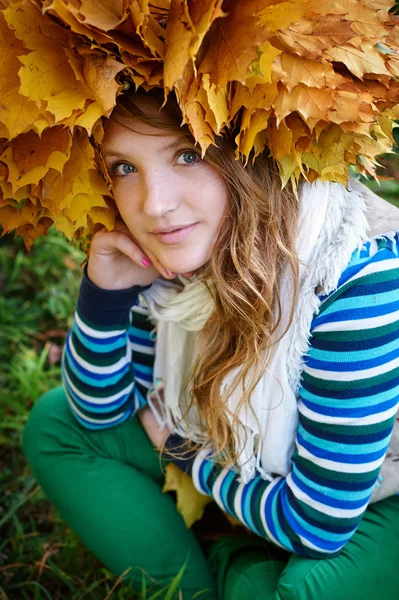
(255,243)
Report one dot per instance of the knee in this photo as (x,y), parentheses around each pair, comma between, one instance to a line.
(46,411)
(355,572)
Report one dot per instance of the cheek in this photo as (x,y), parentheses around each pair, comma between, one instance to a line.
(125,204)
(214,194)
(219,203)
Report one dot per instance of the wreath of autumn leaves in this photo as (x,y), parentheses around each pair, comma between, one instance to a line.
(314,81)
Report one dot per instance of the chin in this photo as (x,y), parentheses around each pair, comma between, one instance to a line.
(184,270)
(181,267)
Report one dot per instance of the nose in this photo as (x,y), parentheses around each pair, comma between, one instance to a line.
(160,194)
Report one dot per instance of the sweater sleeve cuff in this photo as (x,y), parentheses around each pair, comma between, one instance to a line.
(106,307)
(201,468)
(184,463)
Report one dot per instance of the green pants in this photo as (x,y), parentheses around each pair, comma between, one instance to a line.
(107,486)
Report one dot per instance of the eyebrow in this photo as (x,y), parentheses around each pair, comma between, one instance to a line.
(117,154)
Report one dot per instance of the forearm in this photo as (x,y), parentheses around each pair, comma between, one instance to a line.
(98,374)
(347,406)
(313,511)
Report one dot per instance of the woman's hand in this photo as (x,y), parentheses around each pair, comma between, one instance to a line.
(115,261)
(150,424)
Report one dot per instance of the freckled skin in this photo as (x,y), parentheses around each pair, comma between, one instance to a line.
(155,187)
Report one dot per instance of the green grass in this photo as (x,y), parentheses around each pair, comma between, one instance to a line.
(40,557)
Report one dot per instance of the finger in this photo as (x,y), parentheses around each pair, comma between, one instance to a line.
(121,229)
(159,266)
(124,244)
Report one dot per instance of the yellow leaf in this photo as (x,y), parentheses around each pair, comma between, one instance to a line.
(30,232)
(84,195)
(310,37)
(202,131)
(20,195)
(311,103)
(10,218)
(393,37)
(252,124)
(190,503)
(365,17)
(234,42)
(329,153)
(384,127)
(29,157)
(59,8)
(214,103)
(17,113)
(30,222)
(150,32)
(290,168)
(279,139)
(187,26)
(354,127)
(47,75)
(282,14)
(44,120)
(261,96)
(57,185)
(369,166)
(99,73)
(89,117)
(261,68)
(103,14)
(65,225)
(90,182)
(194,113)
(349,106)
(30,26)
(292,70)
(301,133)
(370,147)
(105,216)
(357,61)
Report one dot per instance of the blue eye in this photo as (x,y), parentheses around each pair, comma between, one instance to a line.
(193,157)
(120,169)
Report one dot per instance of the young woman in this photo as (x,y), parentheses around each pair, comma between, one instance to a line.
(261,326)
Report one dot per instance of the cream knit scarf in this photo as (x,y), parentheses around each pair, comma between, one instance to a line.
(332,226)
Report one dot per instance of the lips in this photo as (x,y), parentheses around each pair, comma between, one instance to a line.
(171,229)
(175,236)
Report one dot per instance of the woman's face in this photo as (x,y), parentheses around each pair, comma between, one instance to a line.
(161,183)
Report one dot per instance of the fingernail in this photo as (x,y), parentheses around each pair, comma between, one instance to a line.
(170,273)
(146,262)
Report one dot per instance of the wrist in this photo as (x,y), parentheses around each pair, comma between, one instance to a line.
(151,427)
(106,307)
(180,455)
(117,285)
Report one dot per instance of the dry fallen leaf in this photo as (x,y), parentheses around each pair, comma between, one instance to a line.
(190,503)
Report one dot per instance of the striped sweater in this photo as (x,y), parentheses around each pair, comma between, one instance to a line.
(347,402)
